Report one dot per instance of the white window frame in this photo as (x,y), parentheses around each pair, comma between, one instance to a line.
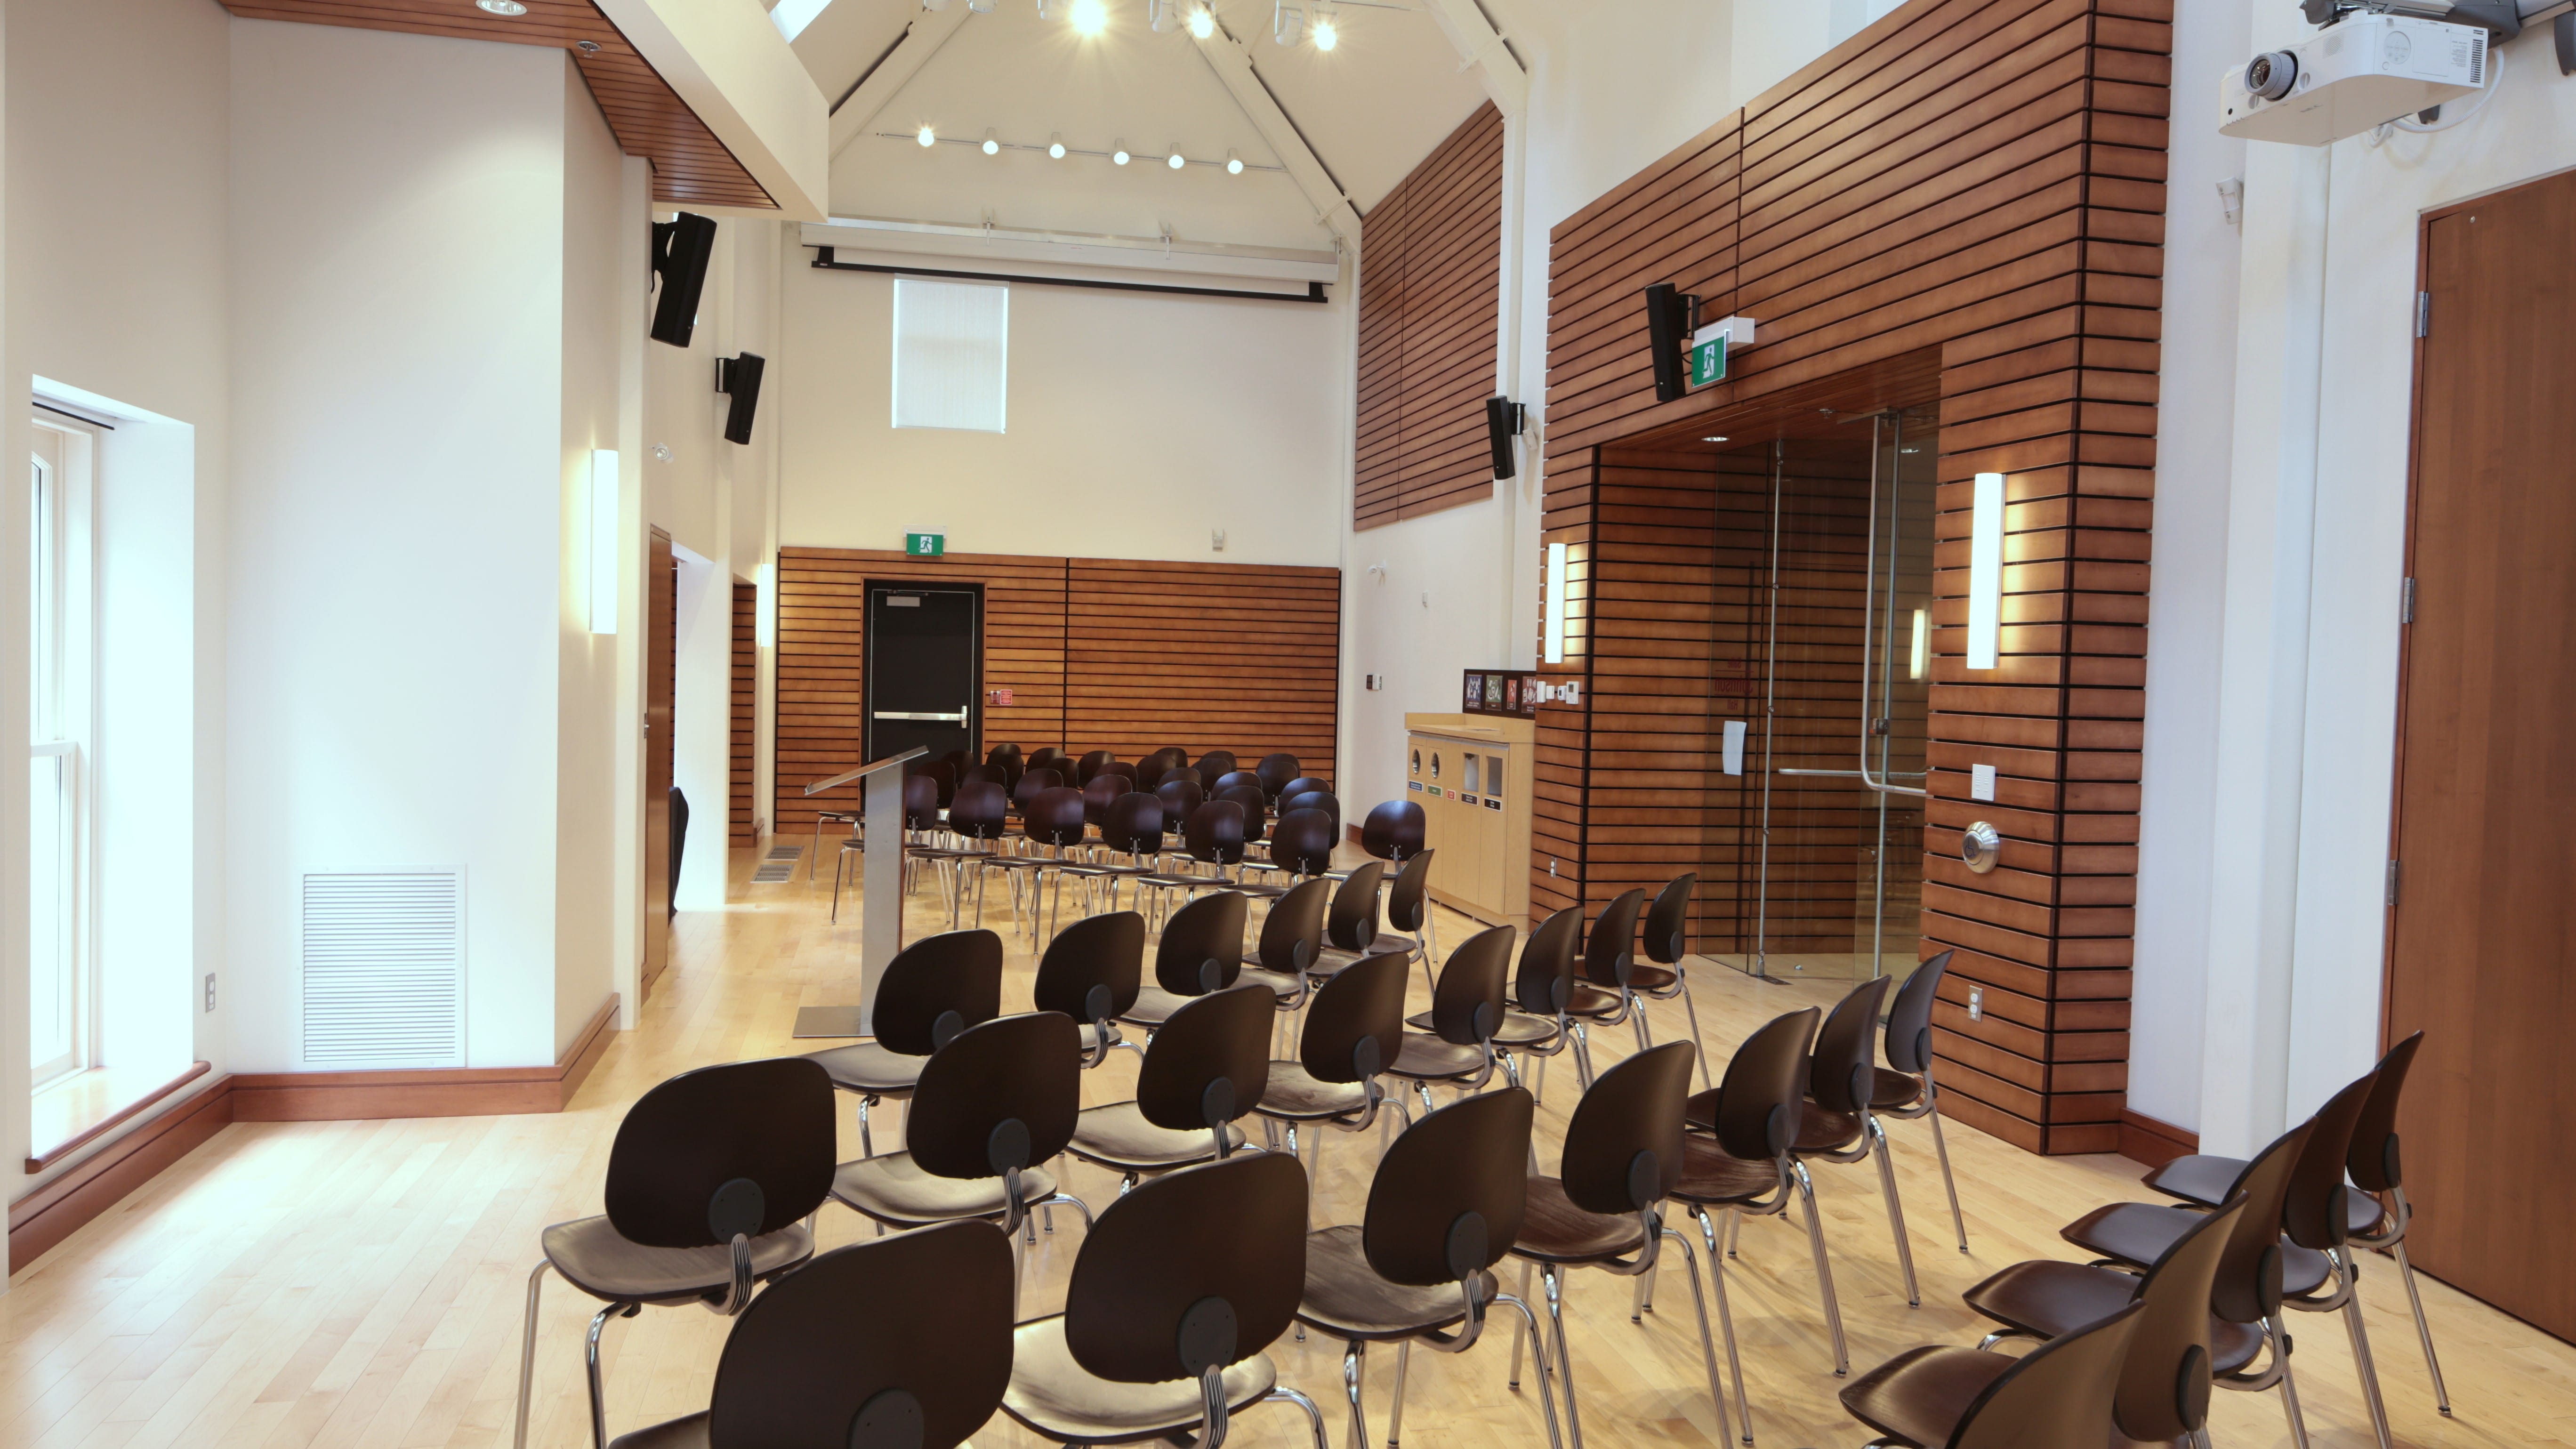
(63,699)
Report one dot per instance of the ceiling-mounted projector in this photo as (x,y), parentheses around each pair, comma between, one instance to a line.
(2351,76)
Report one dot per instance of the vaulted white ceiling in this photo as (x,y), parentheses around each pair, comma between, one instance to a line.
(1369,110)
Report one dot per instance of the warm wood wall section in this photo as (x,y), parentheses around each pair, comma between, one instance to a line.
(1097,654)
(739,814)
(1430,281)
(1967,195)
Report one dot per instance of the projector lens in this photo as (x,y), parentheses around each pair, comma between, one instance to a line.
(2270,74)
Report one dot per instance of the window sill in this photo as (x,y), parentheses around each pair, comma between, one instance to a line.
(85,1106)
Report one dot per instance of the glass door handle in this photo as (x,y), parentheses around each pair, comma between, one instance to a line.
(1871,726)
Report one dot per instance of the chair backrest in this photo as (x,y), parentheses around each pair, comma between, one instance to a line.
(2248,1285)
(1094,967)
(1254,804)
(1192,1270)
(1451,1193)
(1352,923)
(1276,770)
(744,1147)
(1055,816)
(1102,791)
(1209,1061)
(1051,757)
(2059,1393)
(813,1361)
(1214,766)
(1757,1101)
(1317,800)
(937,987)
(2313,1213)
(1133,822)
(1239,777)
(1303,842)
(1393,829)
(1623,1145)
(1202,946)
(1033,782)
(1845,1065)
(1292,935)
(1611,949)
(1545,981)
(1355,1024)
(942,773)
(1148,772)
(1304,785)
(1667,928)
(2164,1386)
(980,810)
(1092,764)
(1467,1001)
(1909,1020)
(1409,899)
(2372,1158)
(998,1096)
(1215,832)
(998,753)
(921,801)
(1180,794)
(1173,757)
(975,774)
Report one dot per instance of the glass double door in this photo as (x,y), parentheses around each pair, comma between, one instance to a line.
(1824,661)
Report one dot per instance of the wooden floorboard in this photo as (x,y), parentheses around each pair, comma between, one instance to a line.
(358,1285)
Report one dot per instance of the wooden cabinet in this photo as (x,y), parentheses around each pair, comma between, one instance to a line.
(1470,774)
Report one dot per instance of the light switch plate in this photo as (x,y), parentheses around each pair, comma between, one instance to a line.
(1981,782)
(1976,1003)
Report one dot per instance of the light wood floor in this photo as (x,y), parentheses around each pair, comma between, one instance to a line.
(358,1285)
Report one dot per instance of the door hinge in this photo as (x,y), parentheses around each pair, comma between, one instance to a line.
(2423,314)
(2406,603)
(2392,882)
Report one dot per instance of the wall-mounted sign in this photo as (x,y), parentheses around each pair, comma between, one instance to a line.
(1707,358)
(1501,691)
(925,544)
(999,696)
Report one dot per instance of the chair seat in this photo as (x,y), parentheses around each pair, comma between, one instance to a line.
(1295,1095)
(1920,1395)
(1892,1090)
(1652,979)
(1588,1000)
(595,1258)
(870,1068)
(1347,1299)
(2052,1299)
(2138,1233)
(1118,1136)
(1709,1175)
(1283,984)
(1819,1129)
(1555,1230)
(1065,1402)
(689,1431)
(1334,958)
(2199,1178)
(1519,1029)
(1431,1058)
(1154,1006)
(894,1189)
(2361,1212)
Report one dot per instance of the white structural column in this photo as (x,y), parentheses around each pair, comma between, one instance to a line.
(1232,63)
(929,30)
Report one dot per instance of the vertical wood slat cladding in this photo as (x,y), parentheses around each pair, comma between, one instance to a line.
(745,664)
(1984,178)
(1097,653)
(1430,288)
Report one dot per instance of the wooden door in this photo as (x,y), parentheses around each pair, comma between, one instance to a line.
(661,663)
(2486,783)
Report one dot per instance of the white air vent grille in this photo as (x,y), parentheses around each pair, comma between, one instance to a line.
(384,969)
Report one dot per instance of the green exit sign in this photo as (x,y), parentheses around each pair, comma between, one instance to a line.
(1708,358)
(925,545)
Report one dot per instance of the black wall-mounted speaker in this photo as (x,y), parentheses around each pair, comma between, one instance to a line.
(1667,324)
(1502,423)
(681,247)
(739,378)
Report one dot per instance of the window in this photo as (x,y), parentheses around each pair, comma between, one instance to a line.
(951,354)
(61,576)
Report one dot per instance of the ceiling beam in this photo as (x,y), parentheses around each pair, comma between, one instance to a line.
(1232,62)
(921,40)
(1483,49)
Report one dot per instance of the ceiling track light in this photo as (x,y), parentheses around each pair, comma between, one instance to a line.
(1176,160)
(1326,30)
(1162,16)
(980,7)
(926,136)
(1233,164)
(1202,20)
(1119,155)
(1089,17)
(1287,22)
(1055,146)
(992,144)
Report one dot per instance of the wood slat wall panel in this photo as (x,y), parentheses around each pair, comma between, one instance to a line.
(690,166)
(1892,209)
(1430,288)
(1097,653)
(745,691)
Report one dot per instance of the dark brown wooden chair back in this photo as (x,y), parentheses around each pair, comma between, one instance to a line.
(1202,946)
(1292,936)
(1545,982)
(1623,1146)
(2248,1285)
(1305,784)
(2059,1393)
(1051,757)
(942,772)
(1100,792)
(2372,1159)
(1757,1107)
(937,987)
(1667,929)
(1316,800)
(1254,804)
(1845,1065)
(1410,897)
(1467,1001)
(1194,1269)
(1276,770)
(1239,777)
(1213,766)
(921,801)
(1451,1193)
(1092,764)
(813,1360)
(1180,794)
(1133,823)
(1356,1021)
(744,1147)
(1215,832)
(998,1096)
(1303,842)
(973,774)
(1610,951)
(1352,922)
(1055,816)
(2313,1212)
(980,810)
(1909,1020)
(1209,1062)
(2164,1387)
(1032,783)
(1393,829)
(1094,968)
(1148,772)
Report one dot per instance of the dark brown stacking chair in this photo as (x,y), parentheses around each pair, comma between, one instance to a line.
(1214,766)
(1055,821)
(940,772)
(1323,803)
(979,774)
(1201,951)
(1204,1068)
(1181,795)
(2376,1212)
(1666,937)
(1232,778)
(1350,924)
(1212,837)
(2061,1393)
(1467,1006)
(1178,1289)
(810,1362)
(1051,757)
(994,1103)
(1292,937)
(1305,784)
(1447,1203)
(1837,1125)
(1603,997)
(1353,1025)
(1905,1089)
(1604,1209)
(1091,972)
(1102,791)
(933,989)
(1034,781)
(1132,826)
(978,817)
(1302,845)
(1536,1027)
(1749,1154)
(1256,806)
(1408,907)
(1148,772)
(1094,763)
(2164,1386)
(1393,830)
(710,1179)
(1276,770)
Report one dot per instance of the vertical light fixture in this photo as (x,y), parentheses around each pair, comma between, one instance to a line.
(1985,571)
(1555,603)
(603,540)
(1922,643)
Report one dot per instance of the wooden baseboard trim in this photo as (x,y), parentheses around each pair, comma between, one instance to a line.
(444,1092)
(99,1181)
(73,1144)
(2144,1139)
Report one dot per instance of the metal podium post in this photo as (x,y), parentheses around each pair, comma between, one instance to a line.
(880,892)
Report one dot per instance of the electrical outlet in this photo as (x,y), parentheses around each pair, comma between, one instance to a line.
(210,991)
(1551,867)
(1976,1003)
(1216,540)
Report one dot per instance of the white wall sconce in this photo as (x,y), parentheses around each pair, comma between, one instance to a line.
(1985,571)
(1555,603)
(603,540)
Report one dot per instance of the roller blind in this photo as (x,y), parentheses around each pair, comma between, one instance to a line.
(951,354)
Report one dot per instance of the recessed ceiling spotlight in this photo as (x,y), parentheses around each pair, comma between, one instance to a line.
(992,144)
(926,136)
(1118,153)
(1090,17)
(1055,145)
(501,7)
(586,47)
(1202,22)
(1233,164)
(1176,161)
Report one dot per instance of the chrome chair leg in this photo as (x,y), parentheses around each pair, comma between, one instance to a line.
(2362,1363)
(1395,1414)
(1824,1271)
(1314,1416)
(2423,1330)
(1352,1356)
(1527,1268)
(1707,1346)
(590,1351)
(1690,1009)
(867,1141)
(2289,1385)
(1546,1390)
(528,1353)
(1941,1149)
(1895,1205)
(1554,1282)
(1725,1317)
